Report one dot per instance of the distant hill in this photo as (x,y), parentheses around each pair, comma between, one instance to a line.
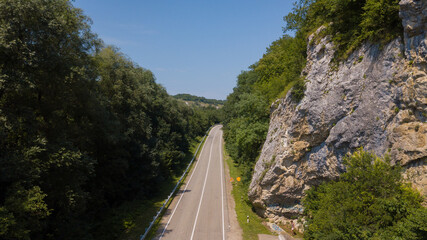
(202,101)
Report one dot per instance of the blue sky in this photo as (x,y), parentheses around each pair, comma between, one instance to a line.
(197,47)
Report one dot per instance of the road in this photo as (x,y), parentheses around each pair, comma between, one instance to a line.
(199,210)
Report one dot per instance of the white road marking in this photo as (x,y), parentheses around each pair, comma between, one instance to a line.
(203,189)
(222,186)
(188,183)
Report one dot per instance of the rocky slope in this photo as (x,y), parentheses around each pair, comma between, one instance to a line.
(377,99)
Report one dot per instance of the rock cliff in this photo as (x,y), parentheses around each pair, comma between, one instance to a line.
(376,99)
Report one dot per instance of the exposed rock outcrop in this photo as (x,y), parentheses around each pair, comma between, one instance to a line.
(377,99)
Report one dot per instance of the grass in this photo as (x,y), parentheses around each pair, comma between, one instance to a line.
(244,206)
(130,220)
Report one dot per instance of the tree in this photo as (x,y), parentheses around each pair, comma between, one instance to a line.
(369,201)
(349,22)
(280,67)
(381,20)
(46,83)
(83,129)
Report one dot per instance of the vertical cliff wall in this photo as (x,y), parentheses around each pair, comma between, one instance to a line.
(376,99)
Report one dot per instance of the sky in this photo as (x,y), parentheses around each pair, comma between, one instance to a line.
(192,46)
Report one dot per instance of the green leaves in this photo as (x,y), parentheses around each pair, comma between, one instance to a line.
(247,108)
(366,202)
(280,67)
(246,125)
(349,22)
(380,21)
(47,83)
(24,209)
(298,89)
(82,129)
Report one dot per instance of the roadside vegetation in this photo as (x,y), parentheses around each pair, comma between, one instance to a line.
(369,201)
(85,133)
(243,205)
(246,111)
(350,23)
(136,218)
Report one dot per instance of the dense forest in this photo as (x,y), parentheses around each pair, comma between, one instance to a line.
(82,127)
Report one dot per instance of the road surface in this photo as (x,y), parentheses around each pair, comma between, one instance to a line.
(199,210)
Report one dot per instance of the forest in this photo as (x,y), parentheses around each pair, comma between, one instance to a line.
(83,129)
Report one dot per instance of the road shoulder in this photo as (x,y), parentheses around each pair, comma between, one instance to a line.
(234,231)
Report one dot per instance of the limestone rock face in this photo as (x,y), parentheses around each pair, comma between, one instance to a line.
(376,99)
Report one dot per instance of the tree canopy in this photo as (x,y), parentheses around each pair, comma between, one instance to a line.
(349,22)
(369,201)
(82,127)
(189,97)
(247,108)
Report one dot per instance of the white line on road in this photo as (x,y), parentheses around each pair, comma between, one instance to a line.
(188,183)
(222,185)
(203,189)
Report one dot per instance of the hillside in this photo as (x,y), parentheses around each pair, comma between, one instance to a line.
(199,101)
(332,89)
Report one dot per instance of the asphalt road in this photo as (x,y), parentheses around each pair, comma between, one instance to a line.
(199,210)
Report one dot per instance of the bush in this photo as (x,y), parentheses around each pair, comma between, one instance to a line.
(369,201)
(349,22)
(298,90)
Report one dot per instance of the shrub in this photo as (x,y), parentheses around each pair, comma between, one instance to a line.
(349,22)
(369,201)
(298,90)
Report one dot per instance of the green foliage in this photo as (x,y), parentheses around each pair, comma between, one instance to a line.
(396,110)
(280,66)
(245,133)
(243,205)
(369,201)
(245,123)
(246,114)
(45,87)
(20,205)
(189,97)
(298,90)
(83,129)
(380,21)
(349,22)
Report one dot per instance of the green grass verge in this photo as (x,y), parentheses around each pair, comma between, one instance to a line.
(130,219)
(243,205)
